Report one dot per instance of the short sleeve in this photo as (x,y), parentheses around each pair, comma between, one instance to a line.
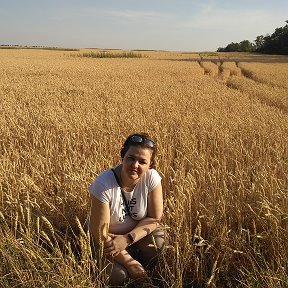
(154,179)
(100,191)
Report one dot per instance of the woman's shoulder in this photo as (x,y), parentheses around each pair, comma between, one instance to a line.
(105,178)
(104,174)
(152,179)
(103,182)
(153,173)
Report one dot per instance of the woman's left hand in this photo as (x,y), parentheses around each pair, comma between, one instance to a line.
(116,244)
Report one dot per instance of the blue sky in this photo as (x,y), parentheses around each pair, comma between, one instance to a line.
(180,25)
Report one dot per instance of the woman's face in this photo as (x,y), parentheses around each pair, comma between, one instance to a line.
(136,162)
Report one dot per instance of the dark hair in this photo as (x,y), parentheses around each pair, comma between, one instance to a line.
(129,142)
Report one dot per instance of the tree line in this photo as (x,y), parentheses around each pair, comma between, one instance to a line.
(276,43)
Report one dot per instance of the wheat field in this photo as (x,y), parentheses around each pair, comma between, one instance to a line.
(222,133)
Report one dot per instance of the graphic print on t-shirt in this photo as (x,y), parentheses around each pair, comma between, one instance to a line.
(131,204)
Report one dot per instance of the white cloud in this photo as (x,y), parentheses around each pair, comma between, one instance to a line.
(232,25)
(135,15)
(219,19)
(205,8)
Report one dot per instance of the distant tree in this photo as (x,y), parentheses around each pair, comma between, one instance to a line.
(221,49)
(232,47)
(259,42)
(277,43)
(243,46)
(246,46)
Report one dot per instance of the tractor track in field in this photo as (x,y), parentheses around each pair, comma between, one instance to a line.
(220,74)
(229,72)
(223,70)
(223,74)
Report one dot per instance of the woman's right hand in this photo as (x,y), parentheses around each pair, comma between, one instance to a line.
(135,269)
(114,244)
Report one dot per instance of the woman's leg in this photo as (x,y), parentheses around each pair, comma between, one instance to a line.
(147,250)
(117,273)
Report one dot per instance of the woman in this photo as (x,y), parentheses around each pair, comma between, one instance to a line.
(126,208)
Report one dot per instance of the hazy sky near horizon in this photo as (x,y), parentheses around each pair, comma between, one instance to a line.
(183,25)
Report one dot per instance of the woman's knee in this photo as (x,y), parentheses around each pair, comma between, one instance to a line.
(117,274)
(150,247)
(155,240)
(158,237)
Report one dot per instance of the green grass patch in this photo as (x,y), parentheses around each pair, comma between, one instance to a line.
(111,55)
(208,54)
(59,49)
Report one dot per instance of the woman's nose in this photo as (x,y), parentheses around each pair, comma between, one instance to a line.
(135,164)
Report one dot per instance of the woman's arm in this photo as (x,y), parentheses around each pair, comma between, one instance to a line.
(99,225)
(99,220)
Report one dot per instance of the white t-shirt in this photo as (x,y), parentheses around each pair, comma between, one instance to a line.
(106,189)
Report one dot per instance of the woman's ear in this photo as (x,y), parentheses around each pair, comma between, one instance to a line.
(151,165)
